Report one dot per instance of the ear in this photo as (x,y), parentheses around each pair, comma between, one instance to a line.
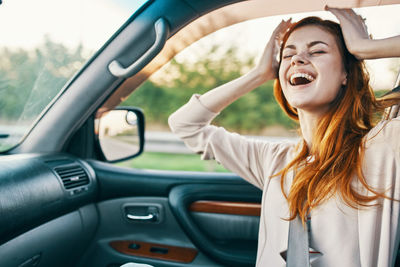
(344,81)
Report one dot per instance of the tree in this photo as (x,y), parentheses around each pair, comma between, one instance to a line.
(162,95)
(29,80)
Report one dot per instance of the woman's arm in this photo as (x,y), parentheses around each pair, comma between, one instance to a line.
(245,157)
(357,39)
(217,99)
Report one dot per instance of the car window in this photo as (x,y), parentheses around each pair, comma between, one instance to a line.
(41,50)
(206,64)
(217,59)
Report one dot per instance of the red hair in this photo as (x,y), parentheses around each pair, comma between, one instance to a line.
(337,145)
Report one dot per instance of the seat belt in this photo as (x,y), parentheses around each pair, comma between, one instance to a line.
(393,111)
(298,254)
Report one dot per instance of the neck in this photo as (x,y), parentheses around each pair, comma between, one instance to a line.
(308,125)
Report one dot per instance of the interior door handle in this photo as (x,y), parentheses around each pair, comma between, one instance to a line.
(143,213)
(161,28)
(150,217)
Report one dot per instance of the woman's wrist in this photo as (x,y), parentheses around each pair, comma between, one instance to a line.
(380,48)
(260,77)
(363,50)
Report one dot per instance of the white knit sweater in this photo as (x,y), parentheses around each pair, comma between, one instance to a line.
(346,237)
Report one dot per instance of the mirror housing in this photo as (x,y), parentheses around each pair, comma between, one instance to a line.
(120,133)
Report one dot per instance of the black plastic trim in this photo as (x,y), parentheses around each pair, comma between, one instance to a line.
(31,193)
(116,182)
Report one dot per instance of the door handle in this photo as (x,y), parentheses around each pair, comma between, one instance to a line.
(161,28)
(151,217)
(142,213)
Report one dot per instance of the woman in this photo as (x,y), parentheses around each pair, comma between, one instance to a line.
(343,178)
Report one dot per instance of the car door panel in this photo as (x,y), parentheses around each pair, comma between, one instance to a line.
(123,187)
(228,246)
(160,241)
(116,182)
(222,227)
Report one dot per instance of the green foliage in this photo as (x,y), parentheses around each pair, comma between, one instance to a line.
(179,80)
(380,93)
(29,80)
(169,161)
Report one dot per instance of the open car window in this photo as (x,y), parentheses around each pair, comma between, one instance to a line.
(221,57)
(41,51)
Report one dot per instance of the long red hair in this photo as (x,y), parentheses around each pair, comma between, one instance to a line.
(337,145)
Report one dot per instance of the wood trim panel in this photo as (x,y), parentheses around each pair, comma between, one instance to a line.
(154,251)
(225,207)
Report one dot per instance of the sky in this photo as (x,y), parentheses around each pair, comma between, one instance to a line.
(23,23)
(90,22)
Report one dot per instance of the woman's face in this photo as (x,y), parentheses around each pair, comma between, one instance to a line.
(311,71)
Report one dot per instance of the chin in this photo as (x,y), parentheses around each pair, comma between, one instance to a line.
(302,102)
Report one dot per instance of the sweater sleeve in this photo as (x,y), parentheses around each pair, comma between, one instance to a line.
(253,160)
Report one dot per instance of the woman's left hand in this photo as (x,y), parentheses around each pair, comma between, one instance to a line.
(354,30)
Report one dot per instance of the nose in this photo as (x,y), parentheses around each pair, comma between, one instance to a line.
(299,59)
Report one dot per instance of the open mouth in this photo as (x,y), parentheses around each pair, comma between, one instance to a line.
(301,78)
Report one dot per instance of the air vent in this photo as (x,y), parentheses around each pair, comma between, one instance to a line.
(72,176)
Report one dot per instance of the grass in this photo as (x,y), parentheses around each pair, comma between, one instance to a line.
(167,161)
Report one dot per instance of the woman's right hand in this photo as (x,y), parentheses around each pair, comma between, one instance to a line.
(217,99)
(268,64)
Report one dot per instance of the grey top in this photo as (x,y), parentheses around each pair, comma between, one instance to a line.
(345,236)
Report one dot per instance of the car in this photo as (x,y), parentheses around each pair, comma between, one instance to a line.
(65,127)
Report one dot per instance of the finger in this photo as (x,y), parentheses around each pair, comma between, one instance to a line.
(348,12)
(282,28)
(338,13)
(341,13)
(285,23)
(348,15)
(351,12)
(362,25)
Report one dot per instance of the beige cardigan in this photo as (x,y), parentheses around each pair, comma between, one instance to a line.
(345,236)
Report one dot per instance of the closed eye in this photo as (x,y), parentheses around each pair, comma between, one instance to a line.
(317,52)
(288,56)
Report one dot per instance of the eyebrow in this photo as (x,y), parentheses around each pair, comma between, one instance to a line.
(308,45)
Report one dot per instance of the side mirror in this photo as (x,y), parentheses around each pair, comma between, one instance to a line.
(120,133)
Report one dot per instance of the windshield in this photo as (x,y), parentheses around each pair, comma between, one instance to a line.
(43,44)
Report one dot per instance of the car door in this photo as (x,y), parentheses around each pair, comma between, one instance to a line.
(198,219)
(68,208)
